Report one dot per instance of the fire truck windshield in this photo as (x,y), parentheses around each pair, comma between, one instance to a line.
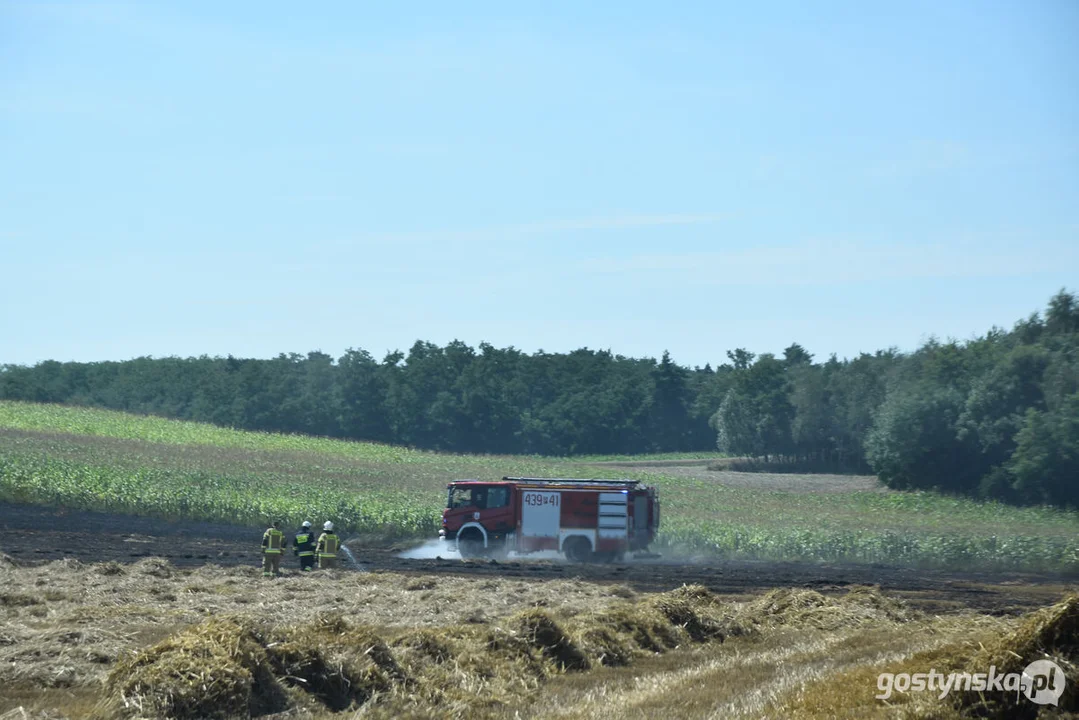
(465,497)
(483,498)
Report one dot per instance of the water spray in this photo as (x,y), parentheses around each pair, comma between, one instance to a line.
(430,550)
(352,561)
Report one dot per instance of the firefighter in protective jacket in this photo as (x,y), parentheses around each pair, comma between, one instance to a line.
(273,543)
(303,546)
(328,544)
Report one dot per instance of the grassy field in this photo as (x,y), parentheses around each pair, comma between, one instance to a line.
(101,460)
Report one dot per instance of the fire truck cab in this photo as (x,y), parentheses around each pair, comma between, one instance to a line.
(585,520)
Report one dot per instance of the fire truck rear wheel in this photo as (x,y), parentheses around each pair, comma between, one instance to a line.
(578,549)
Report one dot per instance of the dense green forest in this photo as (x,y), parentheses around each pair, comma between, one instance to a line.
(997,416)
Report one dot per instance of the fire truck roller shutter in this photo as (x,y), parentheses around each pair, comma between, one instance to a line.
(613,515)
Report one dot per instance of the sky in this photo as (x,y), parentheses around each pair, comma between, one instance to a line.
(251,178)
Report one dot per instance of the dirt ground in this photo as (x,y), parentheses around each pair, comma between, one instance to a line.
(32,535)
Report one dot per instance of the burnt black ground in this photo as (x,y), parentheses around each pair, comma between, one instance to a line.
(33,535)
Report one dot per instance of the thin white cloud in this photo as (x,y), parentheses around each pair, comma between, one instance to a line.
(615,222)
(837,263)
(547,227)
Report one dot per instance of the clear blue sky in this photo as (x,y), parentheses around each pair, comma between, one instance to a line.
(256,177)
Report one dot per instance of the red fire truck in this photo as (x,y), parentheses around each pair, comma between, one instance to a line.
(586,520)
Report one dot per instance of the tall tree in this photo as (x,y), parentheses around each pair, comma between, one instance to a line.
(669,421)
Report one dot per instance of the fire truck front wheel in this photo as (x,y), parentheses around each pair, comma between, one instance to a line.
(470,545)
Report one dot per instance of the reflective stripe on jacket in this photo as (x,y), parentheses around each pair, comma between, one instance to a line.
(272,541)
(305,544)
(327,545)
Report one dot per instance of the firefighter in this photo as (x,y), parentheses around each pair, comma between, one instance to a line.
(328,544)
(273,541)
(303,546)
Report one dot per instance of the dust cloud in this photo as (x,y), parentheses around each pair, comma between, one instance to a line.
(430,550)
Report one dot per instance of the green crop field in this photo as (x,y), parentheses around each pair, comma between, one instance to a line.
(100,460)
(918,528)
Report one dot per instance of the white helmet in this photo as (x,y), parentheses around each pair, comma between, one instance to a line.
(328,525)
(306,524)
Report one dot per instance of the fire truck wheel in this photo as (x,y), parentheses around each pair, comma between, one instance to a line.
(470,545)
(577,549)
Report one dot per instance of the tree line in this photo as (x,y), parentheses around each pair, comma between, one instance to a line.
(996,417)
(454,398)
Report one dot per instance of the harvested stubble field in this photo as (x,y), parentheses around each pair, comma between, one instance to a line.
(147,639)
